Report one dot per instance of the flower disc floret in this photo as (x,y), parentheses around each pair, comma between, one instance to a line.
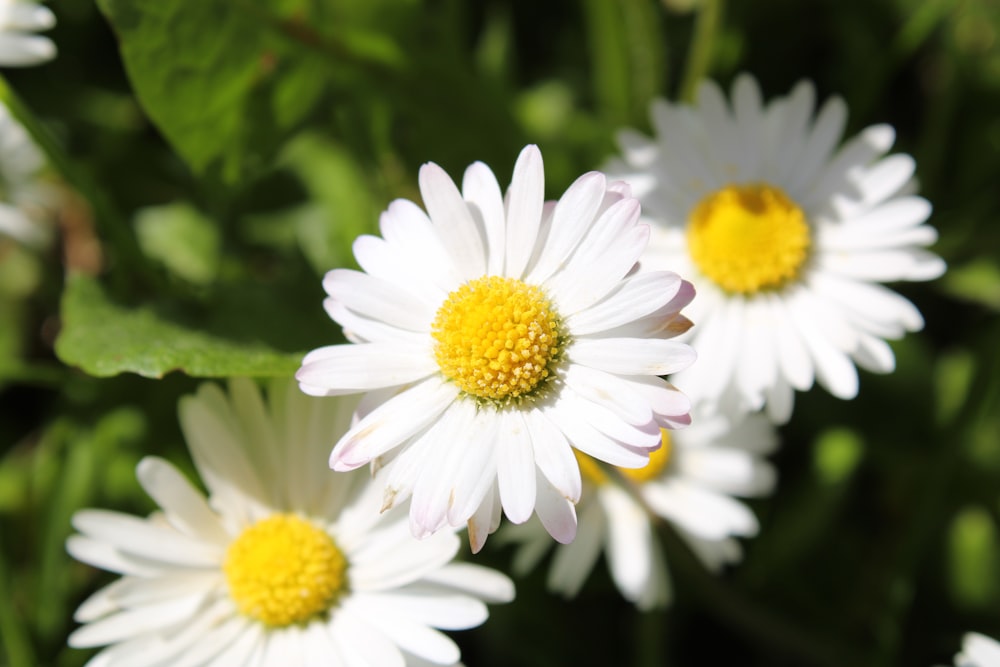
(496,338)
(748,238)
(284,570)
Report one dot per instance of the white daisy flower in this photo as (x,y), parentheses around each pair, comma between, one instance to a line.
(494,332)
(978,651)
(24,197)
(689,482)
(785,238)
(281,565)
(18,47)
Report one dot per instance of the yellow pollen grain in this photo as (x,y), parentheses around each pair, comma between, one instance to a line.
(748,238)
(496,337)
(658,461)
(284,570)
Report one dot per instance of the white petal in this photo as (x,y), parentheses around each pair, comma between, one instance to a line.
(524,210)
(609,391)
(392,558)
(554,455)
(629,542)
(184,505)
(456,228)
(353,368)
(361,639)
(574,562)
(149,540)
(407,634)
(427,606)
(390,424)
(704,513)
(605,256)
(637,297)
(482,582)
(18,50)
(486,519)
(481,190)
(132,622)
(382,300)
(557,514)
(515,467)
(572,218)
(632,356)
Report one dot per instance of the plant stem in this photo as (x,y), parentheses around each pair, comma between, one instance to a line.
(699,56)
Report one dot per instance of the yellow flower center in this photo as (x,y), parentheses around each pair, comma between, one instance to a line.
(497,338)
(284,570)
(658,461)
(748,238)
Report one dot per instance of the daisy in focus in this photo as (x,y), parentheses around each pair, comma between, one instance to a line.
(978,651)
(492,332)
(786,237)
(24,197)
(281,564)
(18,47)
(689,482)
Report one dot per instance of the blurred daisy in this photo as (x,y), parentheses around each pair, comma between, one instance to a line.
(24,197)
(281,565)
(785,237)
(978,651)
(690,482)
(18,47)
(495,331)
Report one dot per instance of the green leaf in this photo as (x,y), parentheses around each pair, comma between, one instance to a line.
(344,206)
(973,550)
(182,239)
(105,338)
(977,281)
(222,79)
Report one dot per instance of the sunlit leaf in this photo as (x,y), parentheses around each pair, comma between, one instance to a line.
(105,338)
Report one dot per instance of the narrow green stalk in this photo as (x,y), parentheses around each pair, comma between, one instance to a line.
(699,57)
(14,638)
(109,221)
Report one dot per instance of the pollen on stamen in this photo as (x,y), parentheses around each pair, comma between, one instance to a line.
(496,338)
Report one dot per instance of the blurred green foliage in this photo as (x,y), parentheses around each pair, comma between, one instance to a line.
(220,156)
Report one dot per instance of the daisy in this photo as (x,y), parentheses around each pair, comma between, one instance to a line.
(493,335)
(24,198)
(18,47)
(978,651)
(786,238)
(689,482)
(281,564)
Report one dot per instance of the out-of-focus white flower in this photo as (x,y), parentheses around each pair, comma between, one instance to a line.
(18,47)
(786,238)
(24,198)
(283,564)
(978,651)
(690,482)
(493,333)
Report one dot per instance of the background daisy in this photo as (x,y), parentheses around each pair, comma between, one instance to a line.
(18,47)
(498,332)
(24,198)
(283,563)
(690,482)
(978,651)
(786,237)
